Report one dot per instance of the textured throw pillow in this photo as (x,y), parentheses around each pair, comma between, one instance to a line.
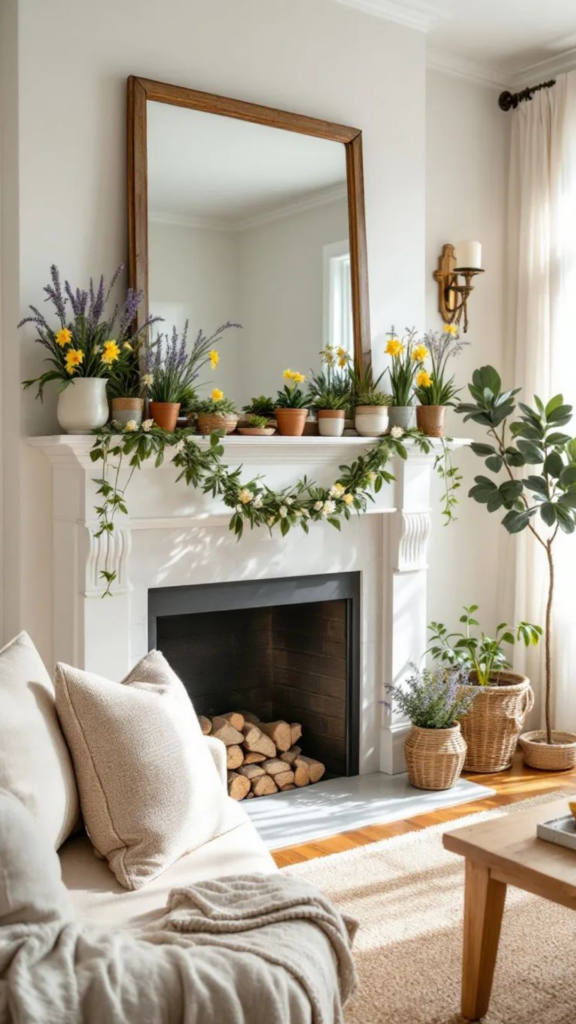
(35,765)
(149,790)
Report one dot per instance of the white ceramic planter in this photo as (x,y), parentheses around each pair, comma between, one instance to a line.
(83,405)
(331,422)
(403,416)
(371,420)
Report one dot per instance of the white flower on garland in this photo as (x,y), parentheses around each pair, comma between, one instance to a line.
(336,491)
(318,506)
(288,501)
(258,502)
(271,521)
(306,513)
(348,498)
(371,477)
(397,433)
(246,495)
(298,512)
(147,426)
(283,511)
(148,380)
(179,447)
(329,508)
(131,426)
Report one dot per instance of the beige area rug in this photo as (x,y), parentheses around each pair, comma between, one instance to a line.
(407,893)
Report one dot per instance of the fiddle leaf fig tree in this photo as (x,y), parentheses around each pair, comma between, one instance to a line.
(533,465)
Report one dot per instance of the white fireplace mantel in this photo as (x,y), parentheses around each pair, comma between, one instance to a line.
(174,536)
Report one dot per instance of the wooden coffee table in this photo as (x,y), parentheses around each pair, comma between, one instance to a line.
(502,852)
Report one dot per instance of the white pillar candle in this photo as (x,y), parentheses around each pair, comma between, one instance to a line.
(469,256)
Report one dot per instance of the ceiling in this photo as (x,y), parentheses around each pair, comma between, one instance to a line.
(503,41)
(225,173)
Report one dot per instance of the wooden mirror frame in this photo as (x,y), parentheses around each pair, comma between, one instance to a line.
(140,90)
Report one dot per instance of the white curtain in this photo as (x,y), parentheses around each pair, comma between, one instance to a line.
(542,357)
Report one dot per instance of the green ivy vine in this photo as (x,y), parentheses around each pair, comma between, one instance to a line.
(253,503)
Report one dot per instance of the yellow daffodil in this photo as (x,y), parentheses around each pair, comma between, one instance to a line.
(419,353)
(214,358)
(217,395)
(450,329)
(63,337)
(298,378)
(110,353)
(342,362)
(342,353)
(288,374)
(423,379)
(74,357)
(394,347)
(127,347)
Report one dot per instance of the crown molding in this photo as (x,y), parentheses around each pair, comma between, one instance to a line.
(542,69)
(475,71)
(416,15)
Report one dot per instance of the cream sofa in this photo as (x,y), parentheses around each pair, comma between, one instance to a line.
(99,899)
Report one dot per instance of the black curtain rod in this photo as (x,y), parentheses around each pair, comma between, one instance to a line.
(510,100)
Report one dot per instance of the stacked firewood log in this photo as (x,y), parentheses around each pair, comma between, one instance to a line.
(262,757)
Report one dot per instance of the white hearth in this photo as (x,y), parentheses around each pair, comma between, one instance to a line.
(175,536)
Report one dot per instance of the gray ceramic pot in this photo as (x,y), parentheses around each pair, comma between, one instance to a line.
(402,416)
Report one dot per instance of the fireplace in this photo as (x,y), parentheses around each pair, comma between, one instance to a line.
(281,649)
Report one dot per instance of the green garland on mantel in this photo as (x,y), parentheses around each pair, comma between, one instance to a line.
(253,502)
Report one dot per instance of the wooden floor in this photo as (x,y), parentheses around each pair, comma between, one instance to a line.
(518,783)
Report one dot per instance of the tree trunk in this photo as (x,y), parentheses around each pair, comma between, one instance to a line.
(548,640)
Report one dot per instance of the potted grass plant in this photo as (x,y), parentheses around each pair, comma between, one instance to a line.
(542,502)
(291,409)
(261,406)
(85,348)
(172,371)
(503,697)
(216,413)
(436,391)
(371,404)
(330,391)
(407,356)
(257,426)
(436,705)
(127,386)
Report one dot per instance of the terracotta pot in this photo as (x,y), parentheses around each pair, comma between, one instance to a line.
(123,410)
(291,422)
(492,726)
(430,419)
(331,422)
(165,414)
(558,756)
(208,422)
(371,420)
(403,416)
(434,757)
(83,405)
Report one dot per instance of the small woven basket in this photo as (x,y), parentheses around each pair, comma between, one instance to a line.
(492,726)
(208,422)
(558,756)
(434,757)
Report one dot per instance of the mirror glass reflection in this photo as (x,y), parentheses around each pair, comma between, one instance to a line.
(249,223)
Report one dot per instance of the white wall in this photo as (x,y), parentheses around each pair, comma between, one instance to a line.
(466,168)
(319,58)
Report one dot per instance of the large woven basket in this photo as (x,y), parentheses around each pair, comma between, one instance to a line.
(558,756)
(493,725)
(434,757)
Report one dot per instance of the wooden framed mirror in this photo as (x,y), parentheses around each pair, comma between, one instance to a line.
(246,213)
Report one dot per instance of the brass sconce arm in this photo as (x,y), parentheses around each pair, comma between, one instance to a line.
(452,295)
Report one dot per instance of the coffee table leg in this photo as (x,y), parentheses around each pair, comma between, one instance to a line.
(483,908)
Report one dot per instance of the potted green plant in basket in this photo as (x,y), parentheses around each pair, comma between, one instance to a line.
(436,705)
(543,502)
(503,697)
(172,371)
(434,390)
(84,348)
(407,356)
(291,410)
(216,413)
(371,404)
(329,391)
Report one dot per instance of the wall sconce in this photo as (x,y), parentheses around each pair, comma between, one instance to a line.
(463,260)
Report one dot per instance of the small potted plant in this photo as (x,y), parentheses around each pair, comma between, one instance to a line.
(436,705)
(257,426)
(330,391)
(216,413)
(261,405)
(434,390)
(291,410)
(371,404)
(171,372)
(407,358)
(542,502)
(126,386)
(504,698)
(84,348)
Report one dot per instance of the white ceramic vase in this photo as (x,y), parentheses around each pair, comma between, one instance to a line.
(331,422)
(371,420)
(83,405)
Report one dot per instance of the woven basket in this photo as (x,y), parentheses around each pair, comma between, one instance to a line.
(208,422)
(492,726)
(434,757)
(558,756)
